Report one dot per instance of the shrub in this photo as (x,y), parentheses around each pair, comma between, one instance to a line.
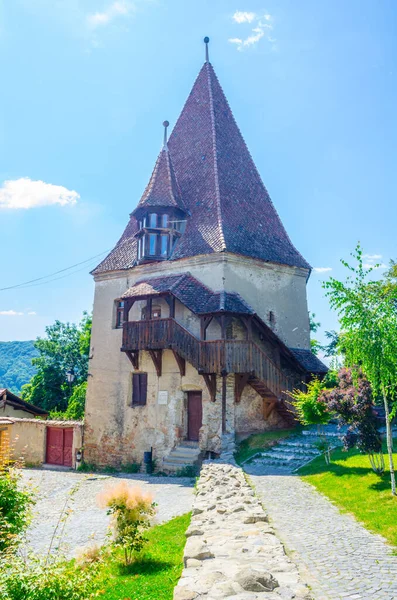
(131,468)
(310,407)
(188,471)
(131,510)
(42,580)
(14,507)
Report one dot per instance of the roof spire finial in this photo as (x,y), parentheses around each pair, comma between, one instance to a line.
(165,124)
(206,40)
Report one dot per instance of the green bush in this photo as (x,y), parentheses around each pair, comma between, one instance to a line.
(42,580)
(131,468)
(188,471)
(131,511)
(14,508)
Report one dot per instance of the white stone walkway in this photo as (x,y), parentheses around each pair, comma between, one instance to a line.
(337,556)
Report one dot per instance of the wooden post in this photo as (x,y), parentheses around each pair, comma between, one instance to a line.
(148,309)
(223,403)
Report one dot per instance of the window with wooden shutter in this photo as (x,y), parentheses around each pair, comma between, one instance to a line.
(139,389)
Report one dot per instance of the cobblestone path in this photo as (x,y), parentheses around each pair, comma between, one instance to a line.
(338,557)
(88,523)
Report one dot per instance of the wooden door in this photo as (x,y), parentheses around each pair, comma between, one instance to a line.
(59,446)
(67,447)
(54,446)
(195,415)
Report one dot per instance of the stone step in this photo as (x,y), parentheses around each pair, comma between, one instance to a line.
(173,466)
(295,443)
(297,450)
(186,450)
(178,460)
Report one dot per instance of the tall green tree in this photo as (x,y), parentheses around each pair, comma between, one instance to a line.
(64,348)
(367,311)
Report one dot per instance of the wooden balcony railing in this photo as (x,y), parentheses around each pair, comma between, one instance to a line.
(217,356)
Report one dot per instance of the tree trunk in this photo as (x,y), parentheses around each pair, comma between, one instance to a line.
(389,446)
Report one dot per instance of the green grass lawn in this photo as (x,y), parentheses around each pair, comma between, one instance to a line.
(156,571)
(260,441)
(350,482)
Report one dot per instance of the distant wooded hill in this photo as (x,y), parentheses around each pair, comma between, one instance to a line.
(16,364)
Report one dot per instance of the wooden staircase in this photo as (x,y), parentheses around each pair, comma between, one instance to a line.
(211,358)
(271,402)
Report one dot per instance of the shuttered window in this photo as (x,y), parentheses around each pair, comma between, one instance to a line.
(139,389)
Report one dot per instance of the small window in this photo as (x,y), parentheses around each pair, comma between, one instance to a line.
(153,220)
(164,245)
(272,318)
(139,248)
(152,243)
(119,314)
(139,389)
(164,220)
(156,313)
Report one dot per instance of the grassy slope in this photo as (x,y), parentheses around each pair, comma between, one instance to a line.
(259,441)
(350,482)
(155,573)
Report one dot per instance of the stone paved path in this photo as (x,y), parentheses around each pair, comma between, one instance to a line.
(88,523)
(338,557)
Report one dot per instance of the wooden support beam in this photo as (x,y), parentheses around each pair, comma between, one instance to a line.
(148,314)
(223,403)
(247,322)
(268,407)
(134,358)
(240,381)
(210,380)
(181,363)
(204,322)
(171,303)
(128,304)
(157,358)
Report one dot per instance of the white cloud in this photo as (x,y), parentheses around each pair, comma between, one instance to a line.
(235,41)
(373,265)
(372,257)
(322,269)
(243,17)
(261,28)
(120,8)
(10,313)
(373,261)
(25,193)
(32,312)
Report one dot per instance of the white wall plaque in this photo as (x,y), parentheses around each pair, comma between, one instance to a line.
(163,398)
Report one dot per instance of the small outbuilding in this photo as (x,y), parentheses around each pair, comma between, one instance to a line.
(12,405)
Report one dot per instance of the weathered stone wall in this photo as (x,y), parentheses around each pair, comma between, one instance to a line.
(231,550)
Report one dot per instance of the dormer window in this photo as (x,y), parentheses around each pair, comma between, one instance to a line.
(152,220)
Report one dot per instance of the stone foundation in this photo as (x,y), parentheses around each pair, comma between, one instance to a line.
(231,550)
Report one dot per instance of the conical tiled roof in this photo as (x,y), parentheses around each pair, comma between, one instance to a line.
(230,209)
(163,189)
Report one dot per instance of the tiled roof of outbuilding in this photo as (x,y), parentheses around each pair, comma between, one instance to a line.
(230,209)
(192,293)
(309,361)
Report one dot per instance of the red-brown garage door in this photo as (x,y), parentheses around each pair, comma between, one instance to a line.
(59,446)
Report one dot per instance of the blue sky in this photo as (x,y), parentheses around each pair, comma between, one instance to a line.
(86,85)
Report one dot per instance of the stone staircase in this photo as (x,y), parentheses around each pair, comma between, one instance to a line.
(291,453)
(186,454)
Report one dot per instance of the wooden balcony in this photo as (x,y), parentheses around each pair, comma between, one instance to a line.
(208,357)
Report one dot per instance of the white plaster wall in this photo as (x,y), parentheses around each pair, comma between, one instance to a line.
(267,287)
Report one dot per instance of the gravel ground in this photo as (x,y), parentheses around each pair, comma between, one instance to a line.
(87,523)
(339,558)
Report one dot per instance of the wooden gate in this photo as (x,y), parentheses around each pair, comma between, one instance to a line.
(59,446)
(195,415)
